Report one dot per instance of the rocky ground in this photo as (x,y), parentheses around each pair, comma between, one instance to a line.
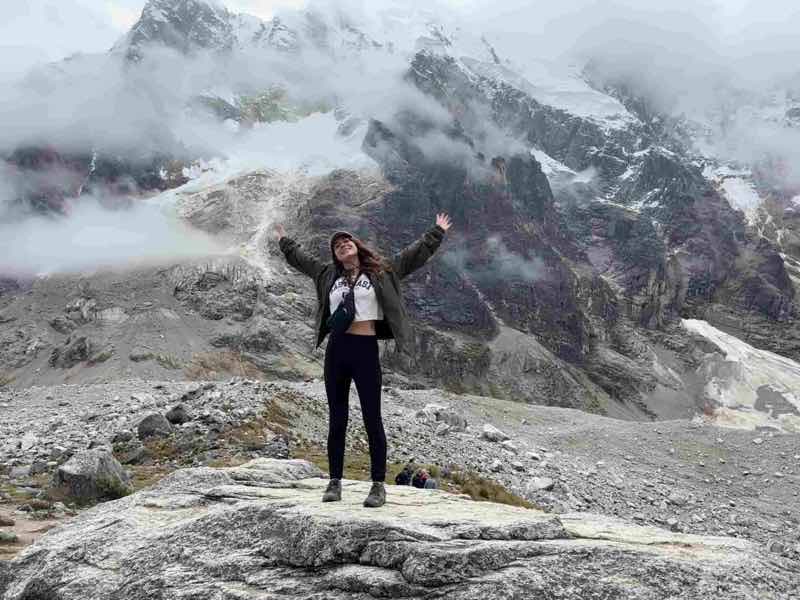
(259,531)
(687,476)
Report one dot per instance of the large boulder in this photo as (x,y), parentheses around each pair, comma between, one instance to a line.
(73,351)
(454,420)
(91,475)
(260,531)
(154,425)
(178,414)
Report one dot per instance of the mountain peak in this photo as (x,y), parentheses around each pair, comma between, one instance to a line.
(184,25)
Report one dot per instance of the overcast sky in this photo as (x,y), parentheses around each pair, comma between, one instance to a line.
(45,30)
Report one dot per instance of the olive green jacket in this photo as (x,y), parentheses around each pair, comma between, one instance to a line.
(395,324)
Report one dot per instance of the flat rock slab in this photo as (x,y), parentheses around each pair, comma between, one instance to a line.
(259,531)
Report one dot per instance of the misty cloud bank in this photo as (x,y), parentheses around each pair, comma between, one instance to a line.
(93,237)
(726,64)
(697,58)
(693,57)
(493,262)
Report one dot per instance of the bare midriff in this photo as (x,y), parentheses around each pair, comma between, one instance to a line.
(362,328)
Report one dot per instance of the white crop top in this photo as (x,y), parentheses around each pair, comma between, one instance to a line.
(367,306)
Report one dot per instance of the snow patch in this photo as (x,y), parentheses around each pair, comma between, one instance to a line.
(550,166)
(560,88)
(742,195)
(753,387)
(629,172)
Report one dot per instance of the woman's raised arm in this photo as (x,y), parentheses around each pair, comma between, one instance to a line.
(417,254)
(295,256)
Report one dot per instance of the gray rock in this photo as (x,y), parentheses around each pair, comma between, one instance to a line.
(678,498)
(91,475)
(6,521)
(20,471)
(99,443)
(443,414)
(510,446)
(777,547)
(39,466)
(73,352)
(62,325)
(154,425)
(28,441)
(493,434)
(178,414)
(259,530)
(122,436)
(540,483)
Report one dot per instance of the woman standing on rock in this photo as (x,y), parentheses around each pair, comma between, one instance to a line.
(359,302)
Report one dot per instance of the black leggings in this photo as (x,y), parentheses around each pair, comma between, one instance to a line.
(354,357)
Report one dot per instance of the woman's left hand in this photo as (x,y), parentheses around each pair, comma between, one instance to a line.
(443,221)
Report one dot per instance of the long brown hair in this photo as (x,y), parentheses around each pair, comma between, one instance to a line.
(370,261)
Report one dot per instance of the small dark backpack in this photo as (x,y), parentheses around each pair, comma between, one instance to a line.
(343,316)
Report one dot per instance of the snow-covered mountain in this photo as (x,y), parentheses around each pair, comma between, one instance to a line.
(611,222)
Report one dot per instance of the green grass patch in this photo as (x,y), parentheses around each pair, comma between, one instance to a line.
(101,357)
(161,449)
(145,476)
(165,360)
(16,494)
(214,365)
(482,489)
(597,406)
(168,361)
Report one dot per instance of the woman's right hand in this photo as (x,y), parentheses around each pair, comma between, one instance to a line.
(279,231)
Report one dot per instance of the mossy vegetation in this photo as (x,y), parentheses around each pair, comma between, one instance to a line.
(253,434)
(144,476)
(215,365)
(6,379)
(112,489)
(168,361)
(14,493)
(597,405)
(101,357)
(275,105)
(161,449)
(165,360)
(486,490)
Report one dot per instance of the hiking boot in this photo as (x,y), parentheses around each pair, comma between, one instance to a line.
(333,493)
(377,495)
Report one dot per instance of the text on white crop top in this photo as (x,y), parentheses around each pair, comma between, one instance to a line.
(367,306)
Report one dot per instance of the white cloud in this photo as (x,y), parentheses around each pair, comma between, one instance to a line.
(37,31)
(94,236)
